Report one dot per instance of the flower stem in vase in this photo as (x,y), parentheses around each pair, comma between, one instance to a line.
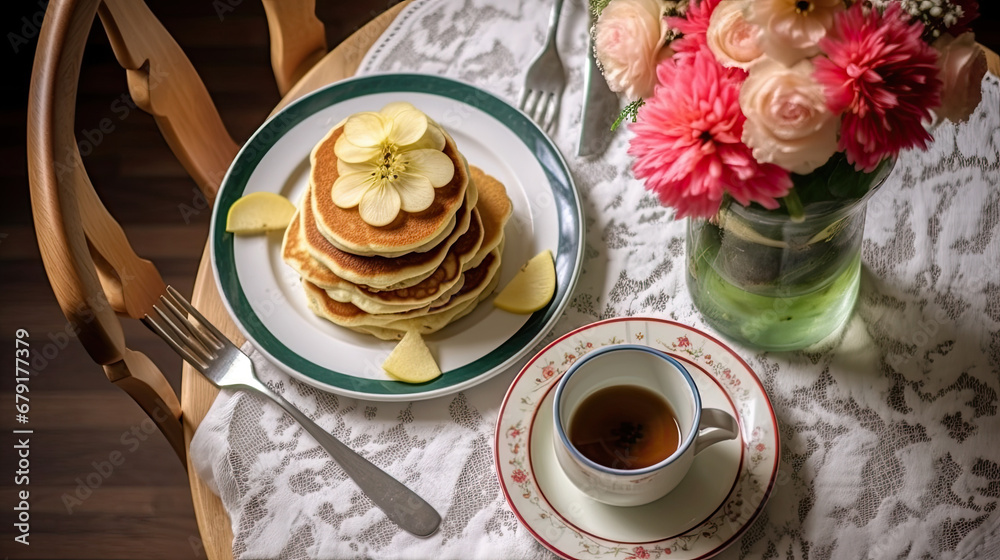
(794,205)
(780,279)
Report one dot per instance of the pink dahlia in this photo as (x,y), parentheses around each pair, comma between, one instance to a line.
(686,144)
(693,27)
(879,72)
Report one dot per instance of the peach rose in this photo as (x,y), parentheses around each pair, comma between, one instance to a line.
(787,123)
(793,28)
(962,64)
(628,38)
(734,41)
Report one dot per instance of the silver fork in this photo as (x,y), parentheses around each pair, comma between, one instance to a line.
(546,78)
(225,365)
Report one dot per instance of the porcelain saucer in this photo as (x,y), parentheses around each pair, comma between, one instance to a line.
(726,488)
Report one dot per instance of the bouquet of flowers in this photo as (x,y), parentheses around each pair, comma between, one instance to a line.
(750,98)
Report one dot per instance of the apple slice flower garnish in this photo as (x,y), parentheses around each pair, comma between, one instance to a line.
(390,161)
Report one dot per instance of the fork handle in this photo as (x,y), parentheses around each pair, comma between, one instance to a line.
(400,504)
(554,22)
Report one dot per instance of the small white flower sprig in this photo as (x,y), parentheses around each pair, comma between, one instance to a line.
(934,13)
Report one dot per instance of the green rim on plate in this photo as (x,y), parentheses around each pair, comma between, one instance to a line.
(568,251)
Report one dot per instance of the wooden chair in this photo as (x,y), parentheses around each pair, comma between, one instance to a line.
(97,277)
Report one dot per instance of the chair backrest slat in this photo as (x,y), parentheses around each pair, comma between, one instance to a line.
(93,269)
(131,284)
(298,39)
(138,376)
(163,83)
(54,168)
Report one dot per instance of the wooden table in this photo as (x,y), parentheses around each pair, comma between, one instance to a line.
(197,394)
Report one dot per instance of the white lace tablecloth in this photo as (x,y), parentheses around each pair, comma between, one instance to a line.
(890,440)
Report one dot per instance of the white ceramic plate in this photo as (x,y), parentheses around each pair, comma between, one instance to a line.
(265,297)
(726,488)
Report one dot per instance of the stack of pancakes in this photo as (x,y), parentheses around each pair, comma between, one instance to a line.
(420,272)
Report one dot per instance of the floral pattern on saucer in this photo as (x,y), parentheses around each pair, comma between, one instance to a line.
(759,433)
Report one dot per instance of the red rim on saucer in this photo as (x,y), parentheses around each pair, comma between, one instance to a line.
(723,493)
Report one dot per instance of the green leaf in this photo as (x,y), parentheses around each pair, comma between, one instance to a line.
(597,6)
(837,179)
(630,112)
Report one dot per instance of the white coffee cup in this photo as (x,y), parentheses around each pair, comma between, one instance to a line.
(623,365)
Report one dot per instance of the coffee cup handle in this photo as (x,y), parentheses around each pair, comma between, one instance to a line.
(715,426)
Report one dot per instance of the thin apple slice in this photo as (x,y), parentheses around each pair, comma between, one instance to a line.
(531,288)
(259,212)
(411,361)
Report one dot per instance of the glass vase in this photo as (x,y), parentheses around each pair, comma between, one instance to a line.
(787,278)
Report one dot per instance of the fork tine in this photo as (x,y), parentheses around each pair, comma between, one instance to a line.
(235,370)
(546,77)
(544,111)
(220,338)
(207,341)
(551,112)
(539,110)
(184,330)
(190,358)
(532,103)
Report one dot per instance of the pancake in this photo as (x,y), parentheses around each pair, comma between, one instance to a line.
(421,272)
(395,331)
(295,253)
(345,229)
(494,208)
(425,292)
(479,282)
(376,272)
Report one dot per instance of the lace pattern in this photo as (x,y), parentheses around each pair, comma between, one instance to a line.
(890,434)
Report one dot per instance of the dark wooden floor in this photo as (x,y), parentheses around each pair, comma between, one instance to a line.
(142,508)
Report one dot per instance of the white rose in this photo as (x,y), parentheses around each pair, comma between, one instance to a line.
(962,65)
(734,41)
(628,38)
(787,123)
